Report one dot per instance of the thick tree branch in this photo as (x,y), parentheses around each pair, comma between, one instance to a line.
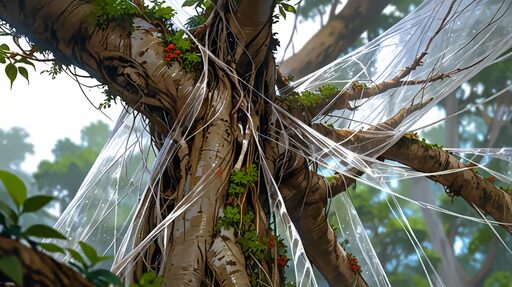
(130,63)
(40,269)
(463,181)
(335,37)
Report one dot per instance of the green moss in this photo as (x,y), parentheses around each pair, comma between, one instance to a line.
(255,248)
(413,137)
(122,12)
(309,98)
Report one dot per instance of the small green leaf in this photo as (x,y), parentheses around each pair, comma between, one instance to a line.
(282,12)
(35,203)
(11,266)
(77,267)
(43,231)
(288,8)
(26,62)
(15,187)
(104,258)
(2,59)
(12,72)
(53,248)
(106,276)
(77,257)
(23,71)
(147,277)
(11,214)
(189,3)
(4,47)
(89,252)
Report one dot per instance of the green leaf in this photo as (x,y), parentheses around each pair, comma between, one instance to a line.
(165,13)
(23,71)
(11,266)
(15,186)
(35,203)
(43,231)
(77,257)
(77,267)
(4,47)
(288,8)
(12,72)
(89,252)
(282,12)
(9,212)
(26,62)
(190,3)
(104,258)
(147,277)
(53,248)
(106,275)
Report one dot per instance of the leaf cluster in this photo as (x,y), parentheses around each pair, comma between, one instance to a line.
(14,62)
(285,8)
(122,12)
(191,59)
(10,217)
(10,227)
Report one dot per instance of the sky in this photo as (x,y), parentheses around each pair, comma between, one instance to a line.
(50,110)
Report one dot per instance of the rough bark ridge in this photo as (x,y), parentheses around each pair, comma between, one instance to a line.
(131,63)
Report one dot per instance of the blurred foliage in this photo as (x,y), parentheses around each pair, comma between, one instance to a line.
(14,148)
(62,176)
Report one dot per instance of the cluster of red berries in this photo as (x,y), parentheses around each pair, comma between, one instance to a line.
(172,53)
(271,242)
(352,261)
(282,260)
(491,179)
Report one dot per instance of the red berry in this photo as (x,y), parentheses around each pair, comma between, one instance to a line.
(171,46)
(177,52)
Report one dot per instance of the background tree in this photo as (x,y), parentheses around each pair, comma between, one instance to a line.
(62,176)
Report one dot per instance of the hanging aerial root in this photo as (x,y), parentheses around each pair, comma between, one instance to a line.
(227,261)
(319,240)
(39,269)
(310,219)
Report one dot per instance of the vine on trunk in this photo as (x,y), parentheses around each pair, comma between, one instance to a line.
(257,250)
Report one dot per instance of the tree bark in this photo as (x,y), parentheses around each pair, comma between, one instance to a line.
(40,269)
(335,37)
